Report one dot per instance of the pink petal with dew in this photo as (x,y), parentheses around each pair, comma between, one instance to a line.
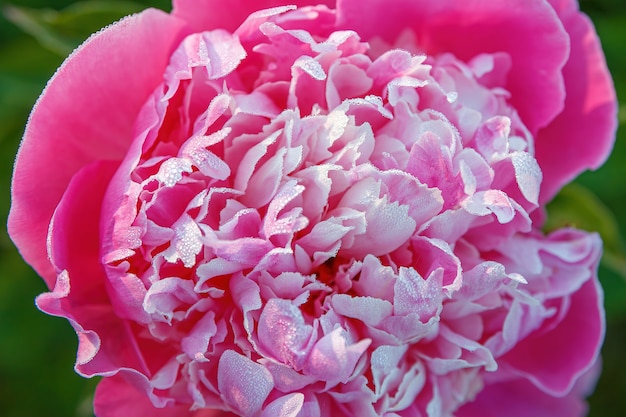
(528,175)
(286,406)
(57,303)
(433,255)
(196,342)
(491,201)
(74,258)
(431,163)
(107,344)
(385,366)
(484,279)
(286,379)
(415,294)
(68,120)
(246,295)
(283,332)
(218,51)
(334,357)
(529,31)
(376,280)
(73,236)
(127,293)
(423,202)
(371,311)
(582,136)
(110,347)
(166,295)
(244,384)
(387,223)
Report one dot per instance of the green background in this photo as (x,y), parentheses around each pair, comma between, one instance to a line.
(37,352)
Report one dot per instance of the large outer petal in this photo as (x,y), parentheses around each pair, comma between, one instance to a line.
(106,343)
(212,14)
(555,360)
(85,113)
(582,136)
(519,398)
(528,30)
(74,249)
(116,398)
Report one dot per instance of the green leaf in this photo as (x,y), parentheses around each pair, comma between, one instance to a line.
(62,31)
(576,206)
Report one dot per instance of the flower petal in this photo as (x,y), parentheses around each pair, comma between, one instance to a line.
(554,366)
(85,113)
(286,406)
(519,398)
(116,398)
(244,384)
(529,30)
(212,14)
(582,136)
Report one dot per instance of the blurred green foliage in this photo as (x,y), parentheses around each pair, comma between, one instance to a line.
(61,31)
(37,352)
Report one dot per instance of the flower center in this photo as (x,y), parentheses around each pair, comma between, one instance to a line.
(312,200)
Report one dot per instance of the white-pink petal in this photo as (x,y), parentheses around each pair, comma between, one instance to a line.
(243,384)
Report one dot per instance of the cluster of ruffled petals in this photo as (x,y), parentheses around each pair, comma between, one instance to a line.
(309,227)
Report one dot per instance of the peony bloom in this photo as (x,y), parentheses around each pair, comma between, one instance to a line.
(324,210)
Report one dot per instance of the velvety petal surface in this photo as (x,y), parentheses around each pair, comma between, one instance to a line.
(582,135)
(117,398)
(75,257)
(216,14)
(86,112)
(80,292)
(555,366)
(528,31)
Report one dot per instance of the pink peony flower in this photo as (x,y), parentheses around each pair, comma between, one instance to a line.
(322,210)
